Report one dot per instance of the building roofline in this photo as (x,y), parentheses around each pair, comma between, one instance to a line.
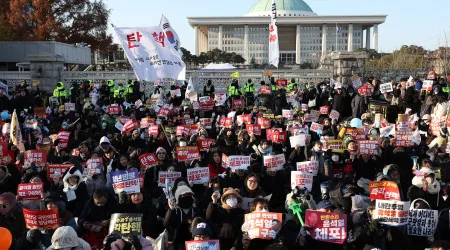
(255,20)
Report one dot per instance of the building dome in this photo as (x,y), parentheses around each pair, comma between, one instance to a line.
(284,8)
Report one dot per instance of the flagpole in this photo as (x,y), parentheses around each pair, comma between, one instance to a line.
(336,36)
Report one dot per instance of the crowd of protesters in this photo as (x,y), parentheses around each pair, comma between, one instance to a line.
(216,209)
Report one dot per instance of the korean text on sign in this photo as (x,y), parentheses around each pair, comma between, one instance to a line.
(37,156)
(126,223)
(238,162)
(188,153)
(327,227)
(125,180)
(368,147)
(302,179)
(170,177)
(148,160)
(274,162)
(384,190)
(30,191)
(202,244)
(263,225)
(41,219)
(391,213)
(309,167)
(57,171)
(198,175)
(422,222)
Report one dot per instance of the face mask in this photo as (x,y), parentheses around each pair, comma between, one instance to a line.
(335,158)
(100,204)
(350,93)
(436,91)
(232,202)
(186,202)
(264,210)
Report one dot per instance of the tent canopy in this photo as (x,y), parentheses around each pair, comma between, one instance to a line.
(219,66)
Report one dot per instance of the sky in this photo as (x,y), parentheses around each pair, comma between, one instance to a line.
(423,23)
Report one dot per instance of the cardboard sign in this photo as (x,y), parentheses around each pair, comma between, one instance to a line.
(238,162)
(253,129)
(220,99)
(57,171)
(198,175)
(30,191)
(386,87)
(427,85)
(265,123)
(384,190)
(309,167)
(316,127)
(422,222)
(391,213)
(125,180)
(94,166)
(148,160)
(327,227)
(263,225)
(202,244)
(404,138)
(41,219)
(287,113)
(63,137)
(238,104)
(147,122)
(205,123)
(69,106)
(334,115)
(324,110)
(170,177)
(301,179)
(205,144)
(126,224)
(281,83)
(369,147)
(188,153)
(274,162)
(114,110)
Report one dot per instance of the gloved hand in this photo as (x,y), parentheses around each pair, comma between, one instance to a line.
(110,238)
(123,198)
(134,240)
(34,235)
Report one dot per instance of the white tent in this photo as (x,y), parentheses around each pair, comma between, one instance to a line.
(219,66)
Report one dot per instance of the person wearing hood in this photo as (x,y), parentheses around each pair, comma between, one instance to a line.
(57,200)
(66,238)
(139,203)
(227,216)
(11,218)
(430,187)
(251,187)
(60,92)
(104,145)
(179,216)
(7,181)
(75,190)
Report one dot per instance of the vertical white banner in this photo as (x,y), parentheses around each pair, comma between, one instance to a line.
(174,40)
(149,53)
(274,49)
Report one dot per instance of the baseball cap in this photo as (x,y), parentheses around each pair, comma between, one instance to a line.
(202,229)
(324,204)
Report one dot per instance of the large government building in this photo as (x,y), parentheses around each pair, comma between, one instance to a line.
(304,36)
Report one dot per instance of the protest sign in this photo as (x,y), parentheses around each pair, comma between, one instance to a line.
(69,106)
(114,110)
(422,222)
(427,85)
(153,130)
(368,147)
(170,177)
(281,83)
(39,157)
(39,112)
(220,99)
(198,175)
(297,140)
(126,224)
(41,219)
(277,136)
(187,153)
(183,130)
(265,90)
(238,162)
(335,146)
(274,162)
(175,93)
(241,119)
(386,87)
(404,138)
(94,166)
(164,112)
(263,225)
(147,122)
(205,144)
(391,213)
(30,191)
(301,179)
(356,81)
(436,124)
(148,160)
(202,245)
(238,104)
(309,167)
(63,137)
(287,113)
(326,226)
(316,127)
(129,126)
(384,190)
(56,171)
(334,115)
(125,180)
(357,134)
(324,110)
(264,122)
(205,123)
(254,129)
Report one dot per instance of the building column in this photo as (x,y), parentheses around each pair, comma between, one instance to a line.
(324,39)
(350,38)
(220,37)
(368,38)
(196,41)
(297,46)
(246,57)
(375,37)
(205,43)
